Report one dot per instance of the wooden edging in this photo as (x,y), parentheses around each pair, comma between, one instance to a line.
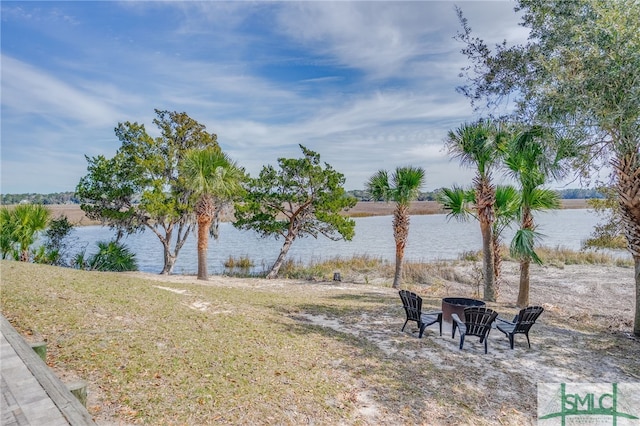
(69,406)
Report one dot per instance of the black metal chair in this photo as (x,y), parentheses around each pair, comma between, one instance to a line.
(521,324)
(477,322)
(412,304)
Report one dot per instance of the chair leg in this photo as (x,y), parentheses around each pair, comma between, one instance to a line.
(461,340)
(453,330)
(440,326)
(422,328)
(527,334)
(485,345)
(511,339)
(405,324)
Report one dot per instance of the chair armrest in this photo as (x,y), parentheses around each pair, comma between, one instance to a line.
(457,320)
(504,321)
(506,327)
(457,323)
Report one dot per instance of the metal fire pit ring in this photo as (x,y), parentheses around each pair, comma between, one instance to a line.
(456,305)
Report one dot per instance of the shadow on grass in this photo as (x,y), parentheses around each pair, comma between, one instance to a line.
(364,297)
(379,375)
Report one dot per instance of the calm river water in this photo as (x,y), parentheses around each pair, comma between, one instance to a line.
(431,237)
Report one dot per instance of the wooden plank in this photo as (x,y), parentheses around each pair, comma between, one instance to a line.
(68,405)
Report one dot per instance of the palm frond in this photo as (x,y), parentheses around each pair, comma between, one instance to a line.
(458,202)
(523,243)
(476,145)
(506,207)
(407,182)
(378,186)
(541,199)
(211,172)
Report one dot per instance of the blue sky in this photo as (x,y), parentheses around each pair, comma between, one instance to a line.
(368,85)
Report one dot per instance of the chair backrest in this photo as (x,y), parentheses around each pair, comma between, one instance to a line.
(526,318)
(478,320)
(412,304)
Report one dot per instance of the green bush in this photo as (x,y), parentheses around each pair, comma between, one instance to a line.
(111,256)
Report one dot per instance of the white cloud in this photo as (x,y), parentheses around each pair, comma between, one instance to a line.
(28,90)
(368,85)
(385,38)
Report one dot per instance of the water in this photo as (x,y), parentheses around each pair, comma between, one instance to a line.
(431,237)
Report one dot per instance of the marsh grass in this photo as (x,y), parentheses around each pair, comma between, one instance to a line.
(354,269)
(560,256)
(242,262)
(362,268)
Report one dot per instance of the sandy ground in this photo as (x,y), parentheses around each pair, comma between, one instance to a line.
(584,335)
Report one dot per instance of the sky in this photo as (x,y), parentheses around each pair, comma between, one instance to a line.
(367,85)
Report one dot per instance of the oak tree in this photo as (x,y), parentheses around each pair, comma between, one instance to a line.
(299,198)
(141,187)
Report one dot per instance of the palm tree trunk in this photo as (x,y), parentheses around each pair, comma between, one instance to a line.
(485,201)
(525,262)
(523,293)
(400,234)
(628,187)
(273,273)
(204,223)
(497,265)
(205,211)
(488,262)
(397,277)
(636,322)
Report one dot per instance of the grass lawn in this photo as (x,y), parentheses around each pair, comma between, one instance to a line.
(207,355)
(252,351)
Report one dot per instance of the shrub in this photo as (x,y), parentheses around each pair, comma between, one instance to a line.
(111,256)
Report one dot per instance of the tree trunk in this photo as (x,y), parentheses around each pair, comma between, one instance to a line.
(182,233)
(400,234)
(523,293)
(497,265)
(169,262)
(636,322)
(204,224)
(627,168)
(398,275)
(273,273)
(485,201)
(525,262)
(488,262)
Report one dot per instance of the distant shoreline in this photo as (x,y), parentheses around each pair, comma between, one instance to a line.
(362,209)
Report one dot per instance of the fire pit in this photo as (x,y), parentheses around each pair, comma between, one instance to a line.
(456,305)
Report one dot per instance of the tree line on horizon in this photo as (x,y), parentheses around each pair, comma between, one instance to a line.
(69,197)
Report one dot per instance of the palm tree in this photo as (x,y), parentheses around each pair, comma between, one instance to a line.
(532,163)
(461,202)
(27,221)
(215,180)
(479,145)
(6,231)
(403,187)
